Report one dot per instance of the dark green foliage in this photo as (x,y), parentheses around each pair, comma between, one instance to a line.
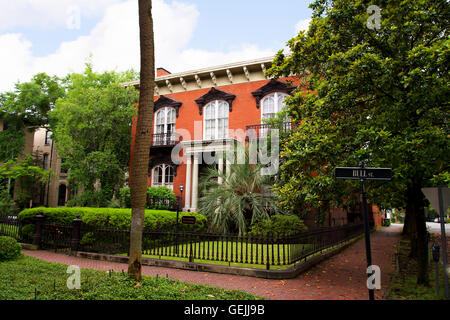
(9,248)
(91,198)
(277,225)
(7,204)
(157,198)
(27,232)
(125,197)
(155,220)
(160,198)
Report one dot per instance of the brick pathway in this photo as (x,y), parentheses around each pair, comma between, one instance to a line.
(340,277)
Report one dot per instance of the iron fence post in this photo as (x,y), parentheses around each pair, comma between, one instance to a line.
(76,226)
(39,218)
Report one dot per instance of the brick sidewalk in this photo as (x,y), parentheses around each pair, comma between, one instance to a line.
(341,277)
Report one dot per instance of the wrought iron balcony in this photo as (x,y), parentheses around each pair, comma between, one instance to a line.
(263,130)
(165,139)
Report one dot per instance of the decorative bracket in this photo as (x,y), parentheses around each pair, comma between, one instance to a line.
(213,95)
(271,87)
(164,101)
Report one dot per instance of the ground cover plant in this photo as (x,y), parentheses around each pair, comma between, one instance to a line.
(28,278)
(404,285)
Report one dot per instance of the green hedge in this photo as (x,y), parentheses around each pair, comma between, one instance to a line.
(277,225)
(155,220)
(9,248)
(157,198)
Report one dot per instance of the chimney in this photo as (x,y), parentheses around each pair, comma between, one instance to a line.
(160,72)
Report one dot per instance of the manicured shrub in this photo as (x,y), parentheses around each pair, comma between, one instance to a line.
(155,220)
(9,248)
(157,198)
(277,225)
(160,198)
(27,232)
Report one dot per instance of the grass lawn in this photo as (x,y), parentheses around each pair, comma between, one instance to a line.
(404,286)
(204,254)
(232,253)
(20,278)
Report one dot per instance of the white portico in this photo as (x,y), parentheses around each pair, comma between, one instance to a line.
(218,152)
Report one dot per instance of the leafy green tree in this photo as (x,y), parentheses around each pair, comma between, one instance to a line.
(379,95)
(26,108)
(244,197)
(91,127)
(27,173)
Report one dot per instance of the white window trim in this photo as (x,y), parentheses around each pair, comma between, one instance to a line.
(277,108)
(164,183)
(165,109)
(216,120)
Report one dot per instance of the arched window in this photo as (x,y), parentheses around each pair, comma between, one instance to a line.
(272,104)
(162,176)
(165,120)
(215,120)
(164,125)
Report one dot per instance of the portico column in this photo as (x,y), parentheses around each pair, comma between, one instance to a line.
(220,162)
(228,167)
(195,182)
(187,201)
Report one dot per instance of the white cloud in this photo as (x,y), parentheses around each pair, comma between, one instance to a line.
(114,44)
(302,25)
(47,13)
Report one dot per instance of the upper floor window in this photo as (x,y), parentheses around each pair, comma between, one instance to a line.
(165,121)
(216,120)
(47,137)
(162,176)
(272,104)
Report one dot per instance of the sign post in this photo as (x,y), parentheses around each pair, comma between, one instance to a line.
(362,173)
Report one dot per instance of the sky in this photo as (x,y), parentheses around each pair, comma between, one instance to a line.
(60,36)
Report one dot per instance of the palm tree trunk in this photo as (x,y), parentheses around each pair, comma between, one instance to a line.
(141,150)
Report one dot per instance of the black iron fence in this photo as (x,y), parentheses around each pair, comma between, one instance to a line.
(265,251)
(10,226)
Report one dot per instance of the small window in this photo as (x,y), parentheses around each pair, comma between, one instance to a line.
(45,161)
(162,176)
(47,137)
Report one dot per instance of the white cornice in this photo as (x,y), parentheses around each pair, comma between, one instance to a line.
(244,67)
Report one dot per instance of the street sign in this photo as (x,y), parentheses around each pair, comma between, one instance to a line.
(188,220)
(363,173)
(432,195)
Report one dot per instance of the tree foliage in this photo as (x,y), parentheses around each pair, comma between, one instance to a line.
(26,108)
(379,96)
(92,128)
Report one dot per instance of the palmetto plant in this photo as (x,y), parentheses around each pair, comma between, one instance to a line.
(244,196)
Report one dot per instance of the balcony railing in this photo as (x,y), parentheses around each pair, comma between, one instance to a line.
(165,139)
(263,130)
